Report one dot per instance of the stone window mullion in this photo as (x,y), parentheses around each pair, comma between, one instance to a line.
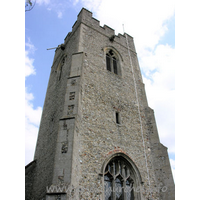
(111,64)
(122,179)
(124,189)
(113,189)
(108,62)
(114,62)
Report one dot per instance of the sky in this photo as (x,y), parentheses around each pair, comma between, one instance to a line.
(152,25)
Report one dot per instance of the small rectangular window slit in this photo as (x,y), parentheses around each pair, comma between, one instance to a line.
(72,96)
(117,117)
(115,66)
(108,63)
(70,110)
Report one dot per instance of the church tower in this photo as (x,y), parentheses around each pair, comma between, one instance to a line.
(98,137)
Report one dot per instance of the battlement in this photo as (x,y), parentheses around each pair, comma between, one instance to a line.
(86,17)
(90,121)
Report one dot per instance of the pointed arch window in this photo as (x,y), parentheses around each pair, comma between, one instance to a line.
(119,180)
(59,68)
(112,62)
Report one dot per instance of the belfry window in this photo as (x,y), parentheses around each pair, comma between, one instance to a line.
(59,68)
(112,62)
(118,180)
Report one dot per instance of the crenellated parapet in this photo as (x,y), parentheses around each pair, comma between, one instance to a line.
(97,133)
(85,17)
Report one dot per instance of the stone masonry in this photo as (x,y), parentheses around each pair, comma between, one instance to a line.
(78,133)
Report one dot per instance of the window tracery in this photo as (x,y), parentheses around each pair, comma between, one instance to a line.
(59,69)
(118,180)
(112,63)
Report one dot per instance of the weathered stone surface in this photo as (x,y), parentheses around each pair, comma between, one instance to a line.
(78,131)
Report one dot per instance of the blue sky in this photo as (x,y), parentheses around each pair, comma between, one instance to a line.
(153,29)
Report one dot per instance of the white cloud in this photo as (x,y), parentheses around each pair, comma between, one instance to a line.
(92,5)
(32,115)
(144,19)
(74,2)
(29,68)
(60,14)
(30,141)
(159,78)
(45,2)
(32,120)
(57,6)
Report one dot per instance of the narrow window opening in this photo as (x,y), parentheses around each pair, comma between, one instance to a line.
(108,63)
(70,110)
(60,68)
(65,125)
(117,118)
(115,65)
(112,62)
(71,95)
